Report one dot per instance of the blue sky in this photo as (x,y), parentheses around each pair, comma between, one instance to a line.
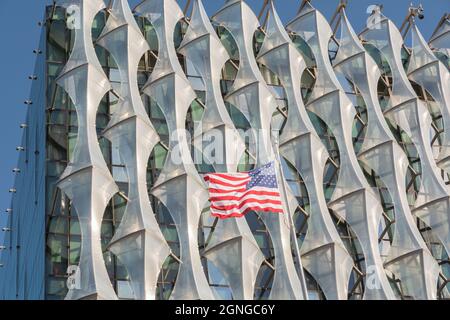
(19,34)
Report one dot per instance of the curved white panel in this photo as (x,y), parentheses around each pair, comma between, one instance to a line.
(353,199)
(440,40)
(138,242)
(86,180)
(411,114)
(254,99)
(426,70)
(179,187)
(232,247)
(323,253)
(408,257)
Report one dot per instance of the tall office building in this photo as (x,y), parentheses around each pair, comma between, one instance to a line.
(129,109)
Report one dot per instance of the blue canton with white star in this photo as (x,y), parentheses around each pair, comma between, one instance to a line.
(263,177)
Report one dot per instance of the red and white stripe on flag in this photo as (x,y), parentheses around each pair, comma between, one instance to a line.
(235,194)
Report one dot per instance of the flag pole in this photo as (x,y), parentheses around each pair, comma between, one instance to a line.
(276,135)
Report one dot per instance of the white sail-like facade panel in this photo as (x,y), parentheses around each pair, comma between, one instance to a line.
(408,257)
(426,70)
(411,114)
(353,199)
(440,40)
(232,247)
(253,98)
(87,180)
(138,242)
(323,253)
(179,186)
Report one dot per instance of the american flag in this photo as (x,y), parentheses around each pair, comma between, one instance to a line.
(235,194)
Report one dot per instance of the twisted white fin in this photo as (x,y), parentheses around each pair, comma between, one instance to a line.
(426,70)
(254,99)
(409,113)
(232,247)
(353,199)
(179,187)
(138,242)
(409,257)
(87,180)
(323,253)
(440,40)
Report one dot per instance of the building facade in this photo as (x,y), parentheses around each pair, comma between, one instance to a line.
(130,108)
